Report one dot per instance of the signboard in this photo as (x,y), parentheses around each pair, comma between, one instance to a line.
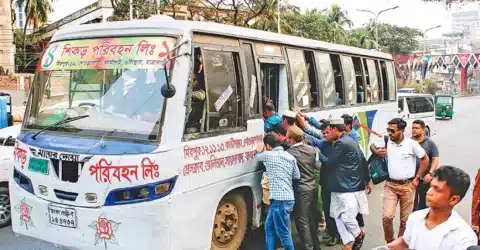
(463,58)
(107,53)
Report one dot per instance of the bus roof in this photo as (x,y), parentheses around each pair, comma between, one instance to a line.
(179,27)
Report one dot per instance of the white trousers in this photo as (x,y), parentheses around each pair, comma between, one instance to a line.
(347,226)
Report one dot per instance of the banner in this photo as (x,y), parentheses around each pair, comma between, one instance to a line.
(109,53)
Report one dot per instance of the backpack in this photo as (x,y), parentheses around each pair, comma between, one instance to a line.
(378,166)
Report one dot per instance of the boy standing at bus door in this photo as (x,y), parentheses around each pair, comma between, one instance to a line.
(270,117)
(306,192)
(282,173)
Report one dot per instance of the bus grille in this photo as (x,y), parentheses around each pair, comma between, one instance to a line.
(68,171)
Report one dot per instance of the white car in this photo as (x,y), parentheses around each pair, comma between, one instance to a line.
(7,142)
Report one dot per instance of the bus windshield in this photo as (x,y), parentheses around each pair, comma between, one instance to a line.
(120,96)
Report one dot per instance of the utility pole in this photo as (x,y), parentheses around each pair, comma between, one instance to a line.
(376,19)
(131,9)
(278,18)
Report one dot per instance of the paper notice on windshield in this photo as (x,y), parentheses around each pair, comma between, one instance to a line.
(302,91)
(253,91)
(223,98)
(128,83)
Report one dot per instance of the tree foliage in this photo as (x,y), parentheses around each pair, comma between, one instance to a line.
(398,40)
(142,9)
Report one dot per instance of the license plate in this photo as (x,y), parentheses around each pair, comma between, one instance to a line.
(62,216)
(38,165)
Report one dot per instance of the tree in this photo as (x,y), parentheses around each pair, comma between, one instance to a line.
(363,37)
(142,9)
(36,12)
(398,40)
(268,21)
(338,20)
(312,24)
(431,86)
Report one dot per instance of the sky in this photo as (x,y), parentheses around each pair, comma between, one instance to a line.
(411,13)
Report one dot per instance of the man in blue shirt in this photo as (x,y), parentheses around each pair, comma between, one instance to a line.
(348,120)
(271,118)
(282,171)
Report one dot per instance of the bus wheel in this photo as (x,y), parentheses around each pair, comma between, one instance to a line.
(5,214)
(230,224)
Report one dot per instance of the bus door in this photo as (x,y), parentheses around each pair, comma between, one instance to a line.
(270,75)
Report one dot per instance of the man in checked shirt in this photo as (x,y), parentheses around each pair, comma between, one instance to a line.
(283,174)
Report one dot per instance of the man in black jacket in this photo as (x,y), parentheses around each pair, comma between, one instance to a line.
(306,192)
(347,182)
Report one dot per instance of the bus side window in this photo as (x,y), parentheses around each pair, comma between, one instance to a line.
(338,76)
(360,78)
(196,108)
(312,77)
(386,89)
(223,92)
(349,80)
(379,80)
(301,85)
(327,81)
(373,90)
(252,80)
(368,86)
(391,81)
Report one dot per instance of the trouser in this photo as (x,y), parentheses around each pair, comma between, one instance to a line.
(393,194)
(329,221)
(421,196)
(278,223)
(306,219)
(347,226)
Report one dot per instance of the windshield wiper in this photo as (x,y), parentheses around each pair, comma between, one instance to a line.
(63,121)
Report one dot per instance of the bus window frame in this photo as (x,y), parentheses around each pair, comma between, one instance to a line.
(345,85)
(291,94)
(204,132)
(258,94)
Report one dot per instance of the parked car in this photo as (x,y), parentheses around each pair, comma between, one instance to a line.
(408,90)
(7,143)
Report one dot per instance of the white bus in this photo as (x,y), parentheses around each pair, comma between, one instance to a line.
(124,159)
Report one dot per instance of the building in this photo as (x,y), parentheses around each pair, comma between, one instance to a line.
(7,49)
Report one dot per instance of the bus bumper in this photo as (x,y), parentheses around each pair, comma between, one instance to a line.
(137,226)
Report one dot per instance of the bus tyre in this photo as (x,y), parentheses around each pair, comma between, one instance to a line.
(427,132)
(5,214)
(230,223)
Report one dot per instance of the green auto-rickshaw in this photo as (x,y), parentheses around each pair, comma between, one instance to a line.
(444,106)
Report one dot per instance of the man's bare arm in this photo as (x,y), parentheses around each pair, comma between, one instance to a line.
(399,243)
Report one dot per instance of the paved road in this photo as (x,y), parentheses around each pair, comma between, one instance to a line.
(456,140)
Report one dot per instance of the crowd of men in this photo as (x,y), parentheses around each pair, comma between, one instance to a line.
(316,172)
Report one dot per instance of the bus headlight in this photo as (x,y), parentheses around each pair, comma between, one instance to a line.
(43,190)
(143,193)
(91,197)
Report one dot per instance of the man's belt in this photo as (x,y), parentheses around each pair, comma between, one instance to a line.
(401,182)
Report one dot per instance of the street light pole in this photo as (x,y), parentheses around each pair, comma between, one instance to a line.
(376,19)
(424,33)
(131,9)
(278,18)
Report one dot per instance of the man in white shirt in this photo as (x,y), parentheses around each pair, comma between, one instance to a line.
(439,227)
(402,153)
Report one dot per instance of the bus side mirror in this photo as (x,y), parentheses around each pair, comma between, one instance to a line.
(168,90)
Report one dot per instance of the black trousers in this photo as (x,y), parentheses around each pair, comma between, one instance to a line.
(306,219)
(329,221)
(421,196)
